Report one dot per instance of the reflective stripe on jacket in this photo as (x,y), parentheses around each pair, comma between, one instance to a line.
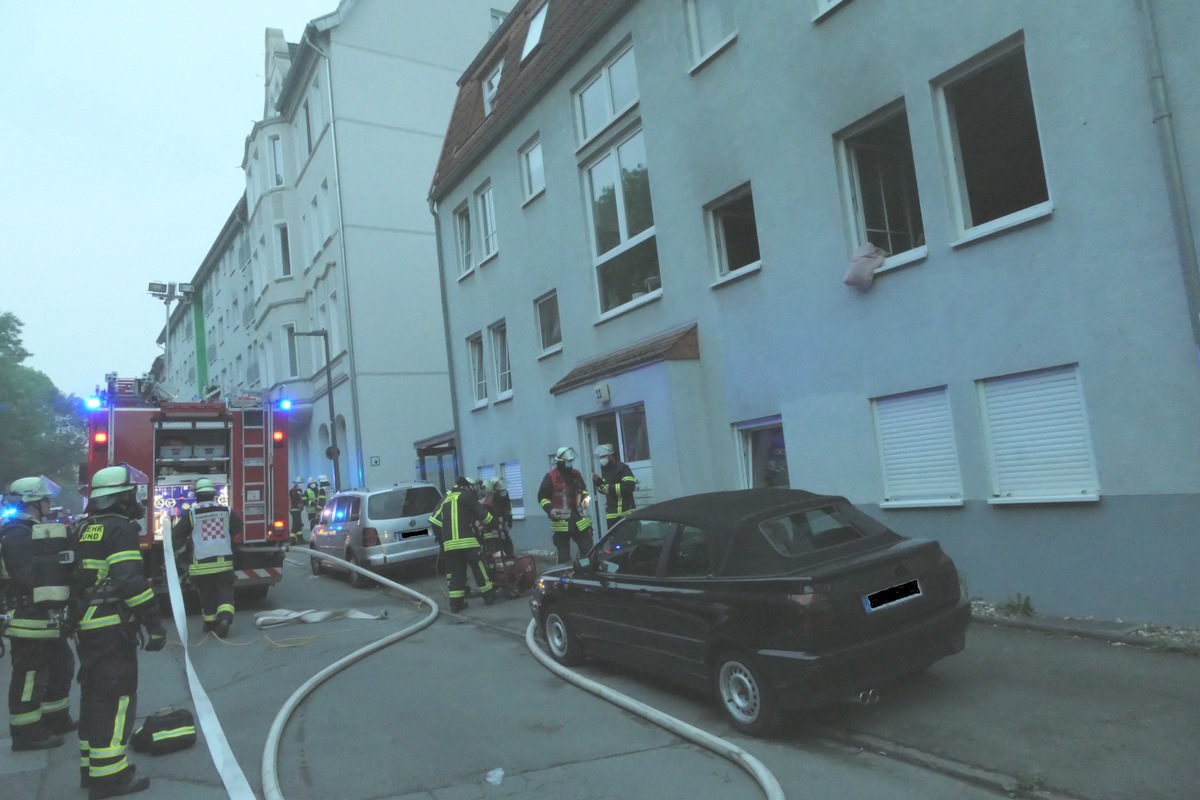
(454,521)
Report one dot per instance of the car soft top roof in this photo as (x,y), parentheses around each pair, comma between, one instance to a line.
(725,510)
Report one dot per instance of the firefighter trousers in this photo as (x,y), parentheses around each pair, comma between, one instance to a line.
(108,680)
(562,542)
(216,596)
(457,564)
(39,693)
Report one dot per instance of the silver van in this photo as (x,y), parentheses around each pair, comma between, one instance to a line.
(377,528)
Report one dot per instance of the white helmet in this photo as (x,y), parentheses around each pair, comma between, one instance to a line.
(114,480)
(297,479)
(604,450)
(323,479)
(33,489)
(492,485)
(565,454)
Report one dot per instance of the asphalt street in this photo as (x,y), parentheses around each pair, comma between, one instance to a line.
(1018,713)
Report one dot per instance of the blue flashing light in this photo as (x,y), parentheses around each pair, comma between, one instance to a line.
(92,403)
(285,404)
(7,512)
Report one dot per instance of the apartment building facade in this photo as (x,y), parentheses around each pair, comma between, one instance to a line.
(334,234)
(932,257)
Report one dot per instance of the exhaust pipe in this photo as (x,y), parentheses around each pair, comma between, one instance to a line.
(867,697)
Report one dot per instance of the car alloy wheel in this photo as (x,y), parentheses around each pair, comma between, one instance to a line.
(744,695)
(561,639)
(318,566)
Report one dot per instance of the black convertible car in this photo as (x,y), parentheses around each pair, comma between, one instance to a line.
(773,599)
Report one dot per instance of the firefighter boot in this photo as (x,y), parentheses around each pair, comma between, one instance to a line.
(126,782)
(489,597)
(43,740)
(222,627)
(457,605)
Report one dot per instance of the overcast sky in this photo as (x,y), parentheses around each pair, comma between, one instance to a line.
(122,124)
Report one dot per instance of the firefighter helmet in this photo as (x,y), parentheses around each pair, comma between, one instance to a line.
(566,454)
(603,450)
(205,486)
(33,489)
(323,479)
(492,485)
(114,480)
(297,479)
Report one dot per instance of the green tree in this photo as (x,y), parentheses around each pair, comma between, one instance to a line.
(42,431)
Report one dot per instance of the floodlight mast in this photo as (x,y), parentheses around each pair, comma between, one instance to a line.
(168,293)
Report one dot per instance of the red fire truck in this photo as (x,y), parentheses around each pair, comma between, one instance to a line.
(240,445)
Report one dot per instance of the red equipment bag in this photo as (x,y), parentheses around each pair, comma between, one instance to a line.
(513,574)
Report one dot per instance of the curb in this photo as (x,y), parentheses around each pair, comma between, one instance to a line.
(1064,627)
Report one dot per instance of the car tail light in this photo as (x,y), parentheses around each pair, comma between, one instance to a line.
(815,611)
(370,537)
(948,574)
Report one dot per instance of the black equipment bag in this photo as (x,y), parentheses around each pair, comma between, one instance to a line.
(165,731)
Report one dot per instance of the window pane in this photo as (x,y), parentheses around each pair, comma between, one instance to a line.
(634,437)
(548,322)
(535,175)
(738,233)
(592,108)
(768,458)
(714,22)
(629,275)
(623,77)
(889,207)
(998,142)
(635,185)
(603,179)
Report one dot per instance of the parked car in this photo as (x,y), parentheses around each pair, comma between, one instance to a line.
(770,599)
(376,528)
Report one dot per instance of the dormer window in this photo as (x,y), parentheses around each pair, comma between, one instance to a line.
(490,86)
(534,37)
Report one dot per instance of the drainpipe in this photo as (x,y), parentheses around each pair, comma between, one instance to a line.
(358,467)
(437,234)
(1185,241)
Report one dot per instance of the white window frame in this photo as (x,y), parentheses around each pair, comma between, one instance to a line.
(277,166)
(532,188)
(501,360)
(534,36)
(491,85)
(967,230)
(602,74)
(717,230)
(498,17)
(292,361)
(600,260)
(853,190)
(918,454)
(702,54)
(537,307)
(285,250)
(1037,439)
(477,366)
(486,207)
(463,236)
(743,433)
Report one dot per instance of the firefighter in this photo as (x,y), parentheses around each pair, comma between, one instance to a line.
(204,536)
(564,498)
(322,491)
(37,587)
(113,602)
(311,506)
(296,505)
(496,537)
(456,524)
(616,483)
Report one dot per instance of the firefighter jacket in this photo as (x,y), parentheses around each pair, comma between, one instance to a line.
(296,498)
(205,536)
(17,573)
(562,490)
(322,495)
(110,585)
(456,520)
(311,499)
(617,483)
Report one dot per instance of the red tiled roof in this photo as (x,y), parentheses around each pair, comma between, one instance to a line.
(674,345)
(567,23)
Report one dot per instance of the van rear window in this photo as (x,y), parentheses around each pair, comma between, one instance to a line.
(398,503)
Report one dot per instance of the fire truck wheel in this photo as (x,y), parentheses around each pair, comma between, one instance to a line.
(318,566)
(357,580)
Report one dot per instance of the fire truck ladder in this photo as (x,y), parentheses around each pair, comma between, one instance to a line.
(254,476)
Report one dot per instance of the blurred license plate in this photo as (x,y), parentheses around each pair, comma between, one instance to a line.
(417,532)
(889,597)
